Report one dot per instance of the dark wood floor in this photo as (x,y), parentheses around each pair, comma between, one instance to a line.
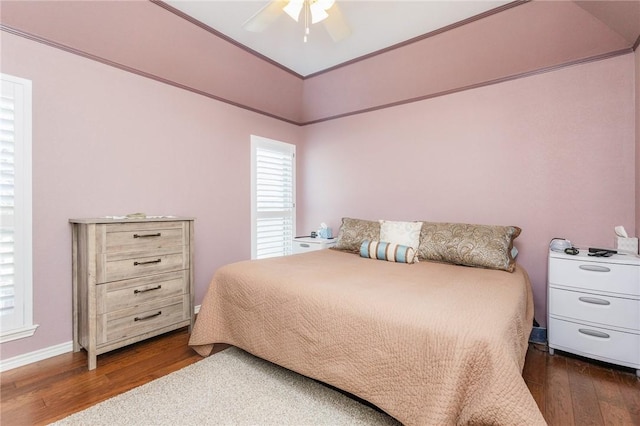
(576,391)
(568,390)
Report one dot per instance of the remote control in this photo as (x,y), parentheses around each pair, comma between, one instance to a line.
(595,250)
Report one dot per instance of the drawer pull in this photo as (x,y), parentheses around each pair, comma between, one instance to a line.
(594,268)
(147,289)
(594,300)
(594,333)
(148,262)
(148,316)
(304,245)
(147,235)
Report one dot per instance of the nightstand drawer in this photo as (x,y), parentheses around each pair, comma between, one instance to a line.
(595,308)
(118,295)
(598,276)
(306,244)
(122,237)
(144,318)
(595,342)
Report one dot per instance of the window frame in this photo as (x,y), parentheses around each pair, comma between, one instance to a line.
(22,325)
(270,144)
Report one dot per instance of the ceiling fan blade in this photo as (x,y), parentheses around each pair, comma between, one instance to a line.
(336,24)
(265,16)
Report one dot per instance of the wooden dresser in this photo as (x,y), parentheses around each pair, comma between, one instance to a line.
(132,279)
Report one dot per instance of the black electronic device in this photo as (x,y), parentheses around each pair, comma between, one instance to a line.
(602,253)
(597,250)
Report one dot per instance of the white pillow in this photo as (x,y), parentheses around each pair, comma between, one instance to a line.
(403,233)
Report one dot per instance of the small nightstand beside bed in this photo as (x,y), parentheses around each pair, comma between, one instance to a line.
(428,342)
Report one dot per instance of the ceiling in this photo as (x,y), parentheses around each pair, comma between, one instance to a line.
(374,25)
(184,47)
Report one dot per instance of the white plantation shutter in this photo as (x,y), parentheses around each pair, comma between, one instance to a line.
(15,209)
(273,197)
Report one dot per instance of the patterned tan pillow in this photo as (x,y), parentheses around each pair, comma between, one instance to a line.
(485,246)
(354,231)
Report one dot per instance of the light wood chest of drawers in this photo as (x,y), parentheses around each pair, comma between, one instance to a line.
(132,279)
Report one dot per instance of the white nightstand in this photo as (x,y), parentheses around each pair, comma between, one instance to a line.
(305,244)
(594,307)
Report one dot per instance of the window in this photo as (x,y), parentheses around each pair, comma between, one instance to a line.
(15,209)
(273,205)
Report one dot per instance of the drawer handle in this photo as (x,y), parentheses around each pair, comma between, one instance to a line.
(594,300)
(146,235)
(148,262)
(304,245)
(147,289)
(148,316)
(594,333)
(594,268)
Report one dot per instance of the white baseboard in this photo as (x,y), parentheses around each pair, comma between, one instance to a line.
(39,355)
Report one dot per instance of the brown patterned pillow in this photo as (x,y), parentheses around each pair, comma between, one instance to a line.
(354,231)
(485,246)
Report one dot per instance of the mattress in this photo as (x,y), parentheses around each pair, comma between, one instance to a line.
(428,343)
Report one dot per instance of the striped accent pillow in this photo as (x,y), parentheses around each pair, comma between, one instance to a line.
(388,251)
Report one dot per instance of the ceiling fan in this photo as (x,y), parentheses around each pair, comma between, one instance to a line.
(313,11)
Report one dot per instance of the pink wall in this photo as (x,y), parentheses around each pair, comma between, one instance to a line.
(540,34)
(637,58)
(552,153)
(110,142)
(143,36)
(151,39)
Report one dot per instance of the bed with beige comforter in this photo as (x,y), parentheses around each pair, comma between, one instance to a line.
(428,343)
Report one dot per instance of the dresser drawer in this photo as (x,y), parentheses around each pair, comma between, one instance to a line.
(594,308)
(595,342)
(120,266)
(612,278)
(127,237)
(144,318)
(118,295)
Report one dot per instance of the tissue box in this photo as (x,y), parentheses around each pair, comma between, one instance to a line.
(325,233)
(627,245)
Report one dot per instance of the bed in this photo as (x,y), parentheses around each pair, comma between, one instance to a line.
(428,343)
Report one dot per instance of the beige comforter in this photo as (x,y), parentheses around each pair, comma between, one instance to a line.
(428,343)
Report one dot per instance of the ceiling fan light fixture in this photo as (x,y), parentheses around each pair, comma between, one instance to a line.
(315,11)
(326,4)
(318,13)
(293,9)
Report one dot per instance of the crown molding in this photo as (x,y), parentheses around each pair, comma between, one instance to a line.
(132,70)
(218,34)
(478,85)
(424,36)
(347,63)
(329,118)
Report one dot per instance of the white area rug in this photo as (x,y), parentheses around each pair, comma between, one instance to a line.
(230,388)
